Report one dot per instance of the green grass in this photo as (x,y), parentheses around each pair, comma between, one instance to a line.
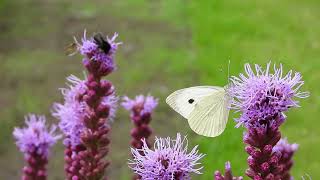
(168,45)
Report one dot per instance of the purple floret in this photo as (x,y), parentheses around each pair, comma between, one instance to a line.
(143,104)
(88,46)
(72,112)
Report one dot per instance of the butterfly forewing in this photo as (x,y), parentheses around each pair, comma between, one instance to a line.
(185,100)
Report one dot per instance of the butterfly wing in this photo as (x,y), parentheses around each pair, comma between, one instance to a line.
(71,49)
(210,116)
(179,100)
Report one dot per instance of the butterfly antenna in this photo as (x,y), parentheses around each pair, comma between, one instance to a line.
(229,71)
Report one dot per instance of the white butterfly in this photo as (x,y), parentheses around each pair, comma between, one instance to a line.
(205,107)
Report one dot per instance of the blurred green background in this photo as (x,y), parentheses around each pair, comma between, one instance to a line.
(167,45)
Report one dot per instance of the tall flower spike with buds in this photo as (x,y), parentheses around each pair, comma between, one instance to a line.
(100,101)
(141,109)
(89,107)
(140,112)
(35,141)
(262,97)
(168,161)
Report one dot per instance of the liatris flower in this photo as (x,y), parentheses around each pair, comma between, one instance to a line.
(101,104)
(141,109)
(168,161)
(227,175)
(97,61)
(140,112)
(263,97)
(285,162)
(35,142)
(89,107)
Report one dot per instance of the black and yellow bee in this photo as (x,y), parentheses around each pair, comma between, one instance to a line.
(102,42)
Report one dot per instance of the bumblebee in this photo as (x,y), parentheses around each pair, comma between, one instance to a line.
(102,42)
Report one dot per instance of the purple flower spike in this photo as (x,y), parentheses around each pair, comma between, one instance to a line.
(35,141)
(88,160)
(169,160)
(140,112)
(263,97)
(263,94)
(89,107)
(227,175)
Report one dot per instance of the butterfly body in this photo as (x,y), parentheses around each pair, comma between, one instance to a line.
(205,108)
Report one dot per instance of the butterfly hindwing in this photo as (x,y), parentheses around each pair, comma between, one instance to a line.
(210,116)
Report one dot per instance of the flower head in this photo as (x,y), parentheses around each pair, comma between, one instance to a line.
(140,105)
(72,112)
(263,94)
(91,51)
(168,161)
(36,137)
